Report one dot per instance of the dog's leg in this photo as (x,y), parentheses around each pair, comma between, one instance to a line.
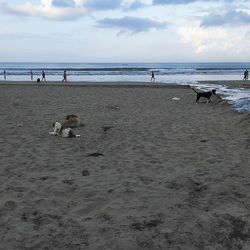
(197,99)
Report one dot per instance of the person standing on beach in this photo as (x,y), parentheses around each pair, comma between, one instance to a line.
(43,76)
(31,75)
(245,75)
(64,76)
(152,76)
(4,75)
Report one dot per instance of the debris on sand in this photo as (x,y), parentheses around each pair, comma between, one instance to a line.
(96,154)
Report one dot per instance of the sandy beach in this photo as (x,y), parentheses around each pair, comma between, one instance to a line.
(148,172)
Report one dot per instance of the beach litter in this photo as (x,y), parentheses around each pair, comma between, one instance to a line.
(96,154)
(176,98)
(85,173)
(205,140)
(114,107)
(106,128)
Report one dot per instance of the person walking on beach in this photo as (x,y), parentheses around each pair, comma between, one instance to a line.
(4,75)
(152,76)
(43,76)
(64,76)
(245,75)
(31,75)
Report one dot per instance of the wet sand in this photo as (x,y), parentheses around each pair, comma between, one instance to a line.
(231,84)
(148,172)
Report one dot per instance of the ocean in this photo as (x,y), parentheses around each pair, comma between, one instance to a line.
(164,72)
(179,73)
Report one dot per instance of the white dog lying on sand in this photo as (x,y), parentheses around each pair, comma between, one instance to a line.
(59,130)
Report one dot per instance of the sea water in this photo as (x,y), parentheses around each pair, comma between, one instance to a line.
(164,72)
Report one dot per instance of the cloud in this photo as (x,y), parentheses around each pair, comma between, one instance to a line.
(49,9)
(216,39)
(22,35)
(247,35)
(224,31)
(63,3)
(131,24)
(230,17)
(59,9)
(136,5)
(103,4)
(163,2)
(176,2)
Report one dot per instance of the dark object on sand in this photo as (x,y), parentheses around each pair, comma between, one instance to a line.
(113,107)
(106,128)
(44,178)
(38,80)
(96,154)
(85,173)
(205,140)
(146,225)
(72,121)
(69,182)
(207,95)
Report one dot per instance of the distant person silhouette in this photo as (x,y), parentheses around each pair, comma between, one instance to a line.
(43,76)
(246,73)
(64,76)
(31,75)
(152,76)
(4,75)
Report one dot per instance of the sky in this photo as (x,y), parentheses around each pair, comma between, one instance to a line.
(124,31)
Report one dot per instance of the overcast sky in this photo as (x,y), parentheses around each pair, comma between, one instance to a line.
(124,30)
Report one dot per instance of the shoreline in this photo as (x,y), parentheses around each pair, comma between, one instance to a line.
(234,84)
(229,83)
(121,84)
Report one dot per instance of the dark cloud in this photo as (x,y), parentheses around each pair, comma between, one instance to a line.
(136,5)
(63,3)
(103,4)
(131,24)
(231,17)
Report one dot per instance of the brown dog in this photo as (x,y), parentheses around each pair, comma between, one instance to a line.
(72,121)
